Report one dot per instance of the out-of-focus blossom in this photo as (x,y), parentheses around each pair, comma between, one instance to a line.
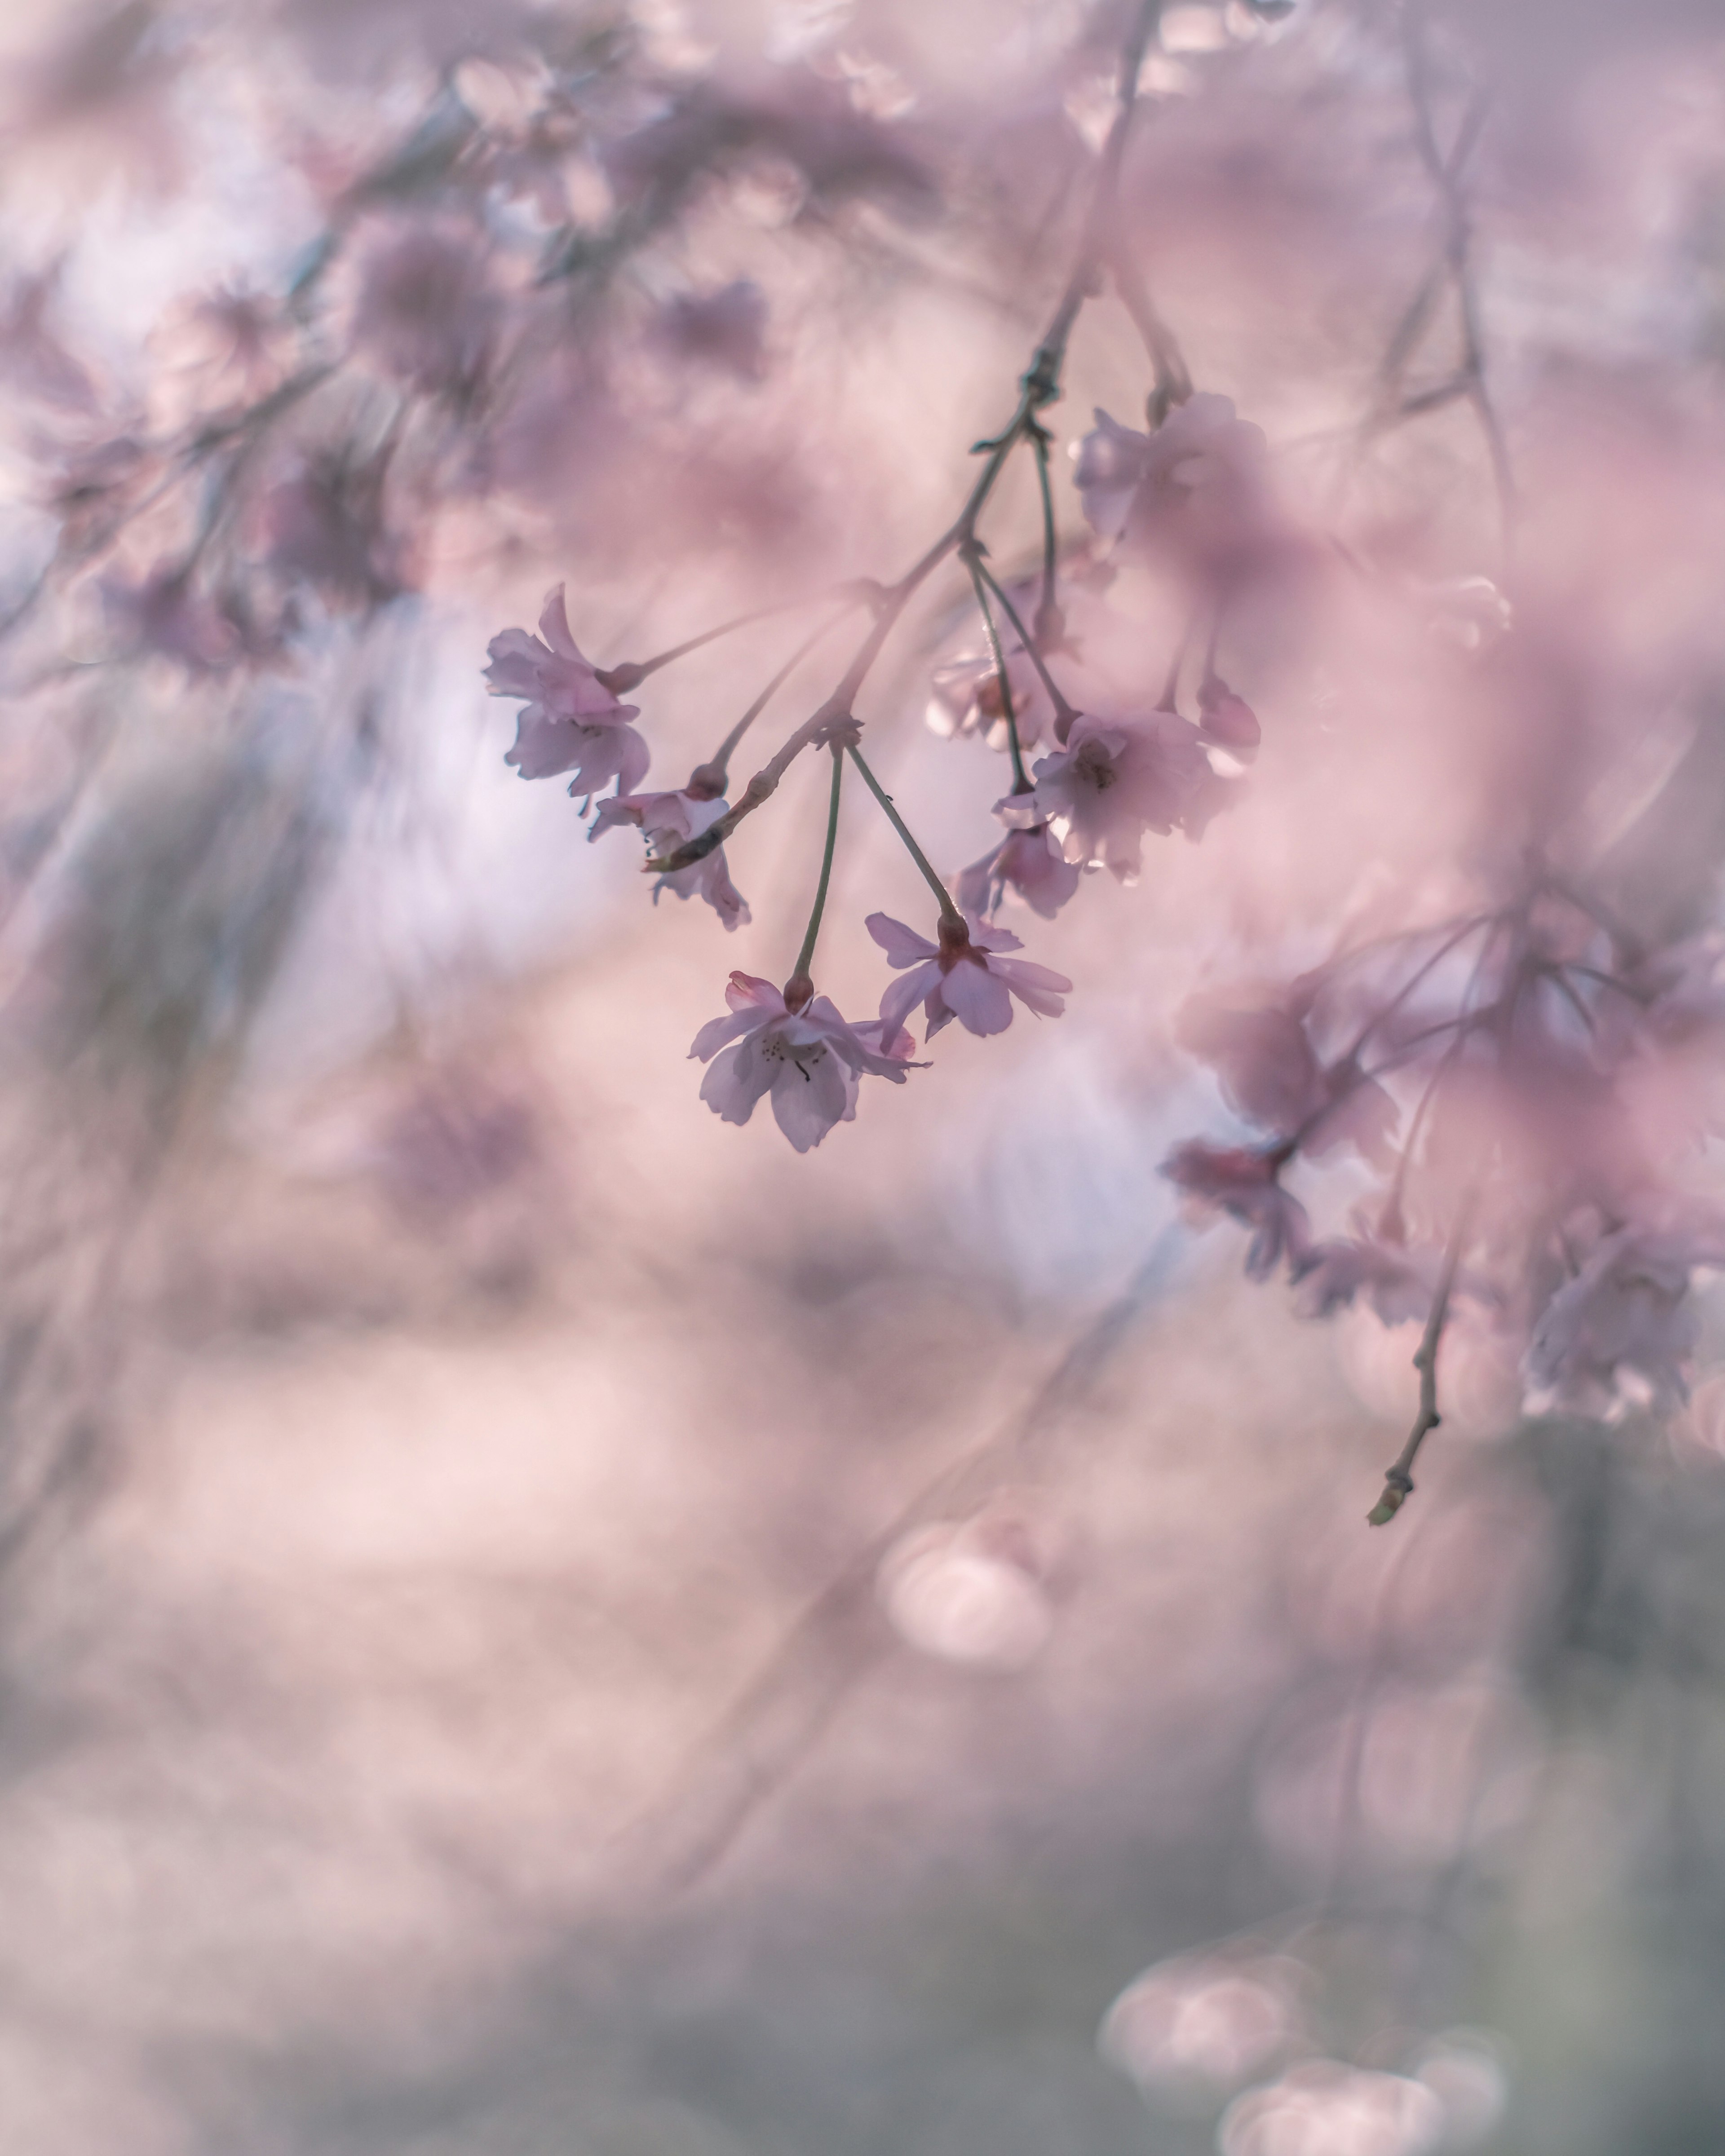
(1270,1075)
(1322,2107)
(1201,454)
(969,1592)
(427,310)
(33,358)
(164,614)
(809,1060)
(670,820)
(1246,1185)
(968,980)
(1028,863)
(325,525)
(571,721)
(1622,1331)
(965,699)
(1397,1283)
(726,329)
(1115,779)
(1204,2018)
(1226,721)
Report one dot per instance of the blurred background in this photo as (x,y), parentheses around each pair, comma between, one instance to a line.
(533,1620)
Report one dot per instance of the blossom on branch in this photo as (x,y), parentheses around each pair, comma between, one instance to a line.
(1270,1073)
(1245,1183)
(964,979)
(1115,779)
(809,1060)
(571,721)
(966,699)
(667,821)
(1028,862)
(1621,1332)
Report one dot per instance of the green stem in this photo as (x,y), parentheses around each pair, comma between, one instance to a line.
(715,770)
(950,915)
(805,956)
(1047,611)
(1064,712)
(1021,784)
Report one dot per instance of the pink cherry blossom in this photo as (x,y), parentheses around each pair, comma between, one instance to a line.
(966,699)
(1226,721)
(1201,451)
(1026,862)
(809,1060)
(1270,1073)
(571,721)
(1623,1330)
(1115,779)
(1244,1183)
(427,311)
(164,615)
(968,980)
(668,821)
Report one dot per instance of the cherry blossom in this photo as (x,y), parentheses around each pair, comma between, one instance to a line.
(1201,452)
(1115,779)
(1226,721)
(427,311)
(1244,1183)
(964,979)
(1271,1075)
(966,699)
(1622,1331)
(571,721)
(667,821)
(1028,863)
(809,1060)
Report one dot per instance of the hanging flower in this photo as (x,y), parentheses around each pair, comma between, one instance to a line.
(572,721)
(809,1060)
(1027,862)
(670,820)
(1115,779)
(966,979)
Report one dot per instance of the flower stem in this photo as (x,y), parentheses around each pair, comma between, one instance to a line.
(620,680)
(1048,612)
(799,973)
(1021,784)
(950,915)
(713,773)
(1399,1478)
(1064,712)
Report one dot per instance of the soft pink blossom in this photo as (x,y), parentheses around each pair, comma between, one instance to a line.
(1244,1183)
(1623,1330)
(1201,452)
(670,820)
(1271,1075)
(1027,862)
(1115,779)
(810,1060)
(164,615)
(571,721)
(965,699)
(427,311)
(1226,721)
(725,328)
(968,980)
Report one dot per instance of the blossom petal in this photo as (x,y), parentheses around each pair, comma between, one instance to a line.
(904,995)
(903,945)
(978,996)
